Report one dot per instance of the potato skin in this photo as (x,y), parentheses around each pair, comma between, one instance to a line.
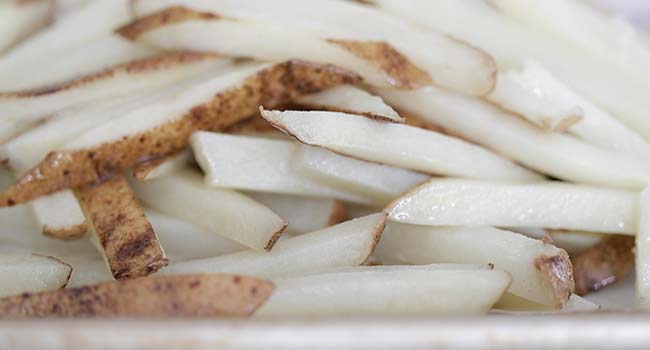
(170,296)
(127,237)
(272,86)
(607,262)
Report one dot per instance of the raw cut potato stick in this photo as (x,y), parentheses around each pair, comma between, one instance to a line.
(395,144)
(540,272)
(573,242)
(59,215)
(387,290)
(377,49)
(88,270)
(222,212)
(166,165)
(25,272)
(351,100)
(20,19)
(380,182)
(233,161)
(347,244)
(607,262)
(303,214)
(457,202)
(511,43)
(21,109)
(559,155)
(643,252)
(170,296)
(595,126)
(127,238)
(165,126)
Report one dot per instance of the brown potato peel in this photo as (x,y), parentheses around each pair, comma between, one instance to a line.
(127,237)
(558,272)
(179,296)
(272,86)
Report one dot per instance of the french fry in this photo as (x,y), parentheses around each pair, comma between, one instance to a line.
(351,100)
(561,156)
(376,50)
(395,144)
(387,290)
(127,238)
(160,167)
(232,161)
(162,130)
(545,204)
(60,216)
(20,19)
(223,212)
(380,182)
(22,273)
(303,214)
(607,262)
(347,244)
(22,109)
(642,252)
(540,272)
(180,296)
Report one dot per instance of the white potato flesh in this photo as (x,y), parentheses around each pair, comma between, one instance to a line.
(523,95)
(380,182)
(88,271)
(410,290)
(183,241)
(123,82)
(596,125)
(304,214)
(167,109)
(457,202)
(171,164)
(562,156)
(575,21)
(59,212)
(258,164)
(21,273)
(643,252)
(511,43)
(574,242)
(66,8)
(579,304)
(398,145)
(350,99)
(347,244)
(261,30)
(514,253)
(20,19)
(223,212)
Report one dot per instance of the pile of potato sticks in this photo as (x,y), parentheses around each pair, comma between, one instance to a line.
(322,157)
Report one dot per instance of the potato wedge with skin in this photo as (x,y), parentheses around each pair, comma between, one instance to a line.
(562,156)
(385,290)
(394,144)
(22,273)
(22,109)
(349,243)
(321,31)
(59,215)
(511,43)
(458,202)
(165,126)
(222,212)
(20,19)
(179,296)
(607,262)
(540,272)
(127,238)
(596,125)
(233,161)
(303,214)
(166,165)
(380,182)
(351,100)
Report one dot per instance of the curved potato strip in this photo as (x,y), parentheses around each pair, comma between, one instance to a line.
(179,296)
(229,99)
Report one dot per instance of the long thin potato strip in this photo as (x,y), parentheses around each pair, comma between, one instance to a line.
(126,236)
(179,296)
(220,104)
